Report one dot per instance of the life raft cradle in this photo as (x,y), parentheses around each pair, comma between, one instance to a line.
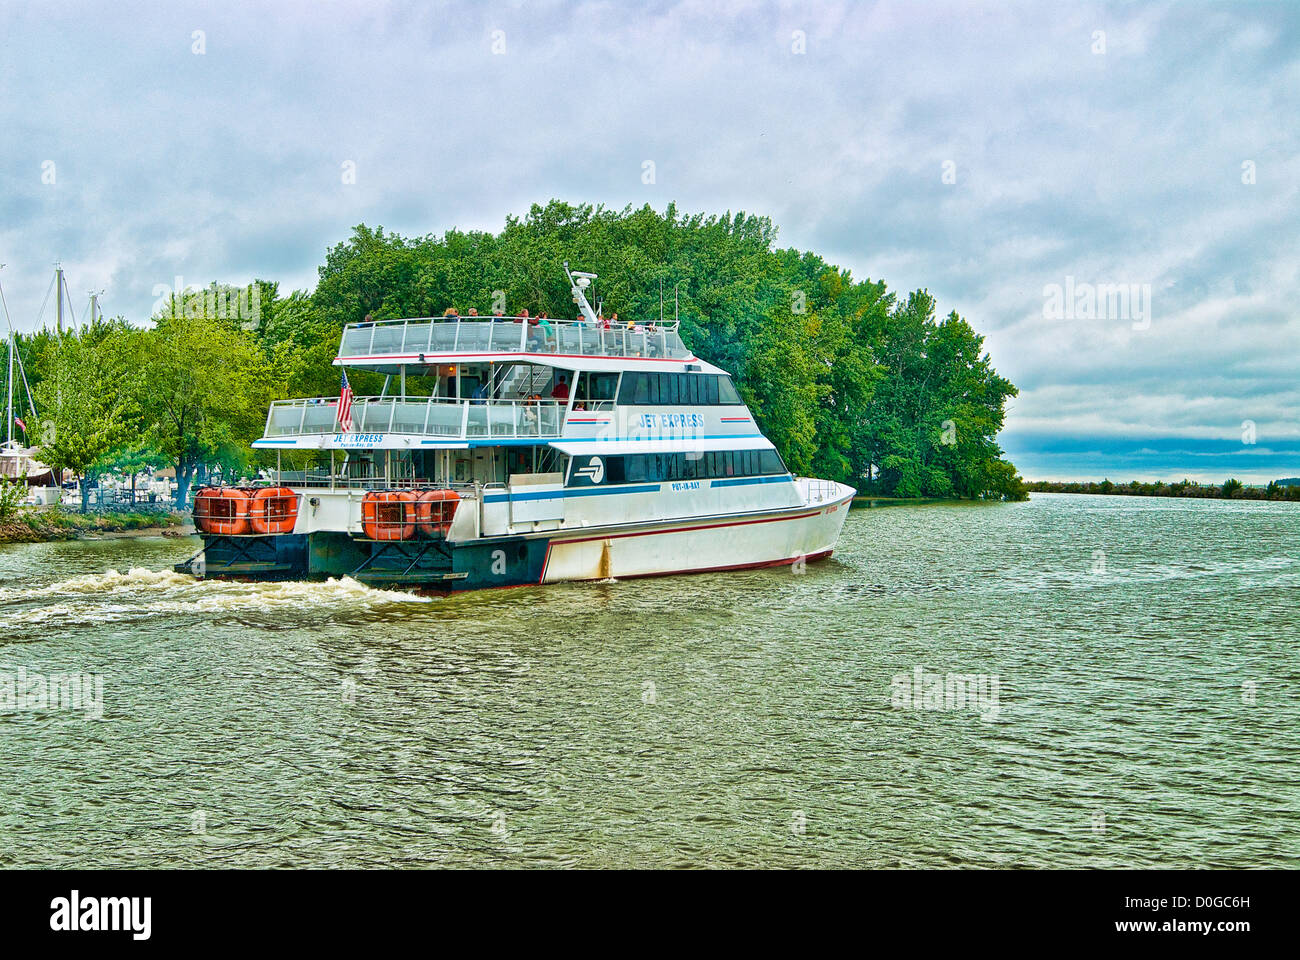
(401,549)
(243,559)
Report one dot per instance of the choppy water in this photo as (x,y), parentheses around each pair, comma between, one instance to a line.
(1144,653)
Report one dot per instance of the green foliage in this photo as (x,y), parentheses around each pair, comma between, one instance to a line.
(202,387)
(12,493)
(1232,489)
(82,418)
(847,383)
(850,382)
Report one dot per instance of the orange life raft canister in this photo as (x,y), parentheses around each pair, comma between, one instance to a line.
(388,514)
(222,510)
(434,511)
(274,510)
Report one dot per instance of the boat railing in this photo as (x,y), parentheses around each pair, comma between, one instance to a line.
(321,479)
(442,417)
(819,491)
(421,336)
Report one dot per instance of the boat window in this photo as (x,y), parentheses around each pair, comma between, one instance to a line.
(602,386)
(709,465)
(727,391)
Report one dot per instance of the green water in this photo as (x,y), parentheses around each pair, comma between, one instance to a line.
(1144,653)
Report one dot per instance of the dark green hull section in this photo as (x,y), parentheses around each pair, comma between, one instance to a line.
(430,564)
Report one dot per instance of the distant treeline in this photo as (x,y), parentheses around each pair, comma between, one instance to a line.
(1228,490)
(851,381)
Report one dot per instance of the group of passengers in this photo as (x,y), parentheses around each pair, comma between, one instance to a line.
(543,320)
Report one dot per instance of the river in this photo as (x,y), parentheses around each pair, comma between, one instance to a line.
(1124,695)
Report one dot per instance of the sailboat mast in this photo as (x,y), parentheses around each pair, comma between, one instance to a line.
(9,408)
(9,380)
(58,284)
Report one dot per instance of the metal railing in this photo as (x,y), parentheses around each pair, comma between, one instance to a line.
(425,416)
(461,335)
(819,491)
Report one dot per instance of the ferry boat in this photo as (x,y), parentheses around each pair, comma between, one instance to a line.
(505,451)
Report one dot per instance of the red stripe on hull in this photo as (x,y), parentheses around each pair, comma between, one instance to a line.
(703,526)
(811,558)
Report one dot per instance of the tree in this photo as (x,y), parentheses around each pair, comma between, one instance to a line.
(134,457)
(849,383)
(203,388)
(83,415)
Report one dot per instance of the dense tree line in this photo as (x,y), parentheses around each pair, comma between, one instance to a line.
(851,381)
(1228,490)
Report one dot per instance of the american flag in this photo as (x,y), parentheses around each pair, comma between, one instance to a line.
(345,404)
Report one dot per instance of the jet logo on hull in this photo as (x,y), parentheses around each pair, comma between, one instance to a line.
(594,471)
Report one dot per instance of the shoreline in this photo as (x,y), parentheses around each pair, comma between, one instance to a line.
(52,526)
(1185,490)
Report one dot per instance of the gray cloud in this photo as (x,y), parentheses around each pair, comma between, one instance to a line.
(1123,166)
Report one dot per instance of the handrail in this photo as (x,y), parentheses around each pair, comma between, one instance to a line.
(665,324)
(445,417)
(459,335)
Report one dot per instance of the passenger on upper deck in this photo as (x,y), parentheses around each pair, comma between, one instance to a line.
(561,389)
(473,311)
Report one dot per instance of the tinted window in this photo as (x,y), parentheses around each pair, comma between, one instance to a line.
(640,387)
(727,391)
(602,385)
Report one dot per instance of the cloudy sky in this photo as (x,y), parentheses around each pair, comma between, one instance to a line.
(1010,158)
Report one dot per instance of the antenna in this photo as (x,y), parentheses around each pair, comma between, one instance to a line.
(661,299)
(578,283)
(675,286)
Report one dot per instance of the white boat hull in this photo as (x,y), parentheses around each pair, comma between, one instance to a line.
(696,546)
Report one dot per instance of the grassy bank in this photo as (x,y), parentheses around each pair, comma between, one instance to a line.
(37,525)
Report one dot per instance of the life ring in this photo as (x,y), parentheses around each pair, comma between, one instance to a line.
(222,510)
(274,510)
(434,511)
(388,514)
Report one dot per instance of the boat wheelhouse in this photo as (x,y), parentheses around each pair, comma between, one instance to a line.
(513,450)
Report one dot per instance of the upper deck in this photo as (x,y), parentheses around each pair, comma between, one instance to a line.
(383,343)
